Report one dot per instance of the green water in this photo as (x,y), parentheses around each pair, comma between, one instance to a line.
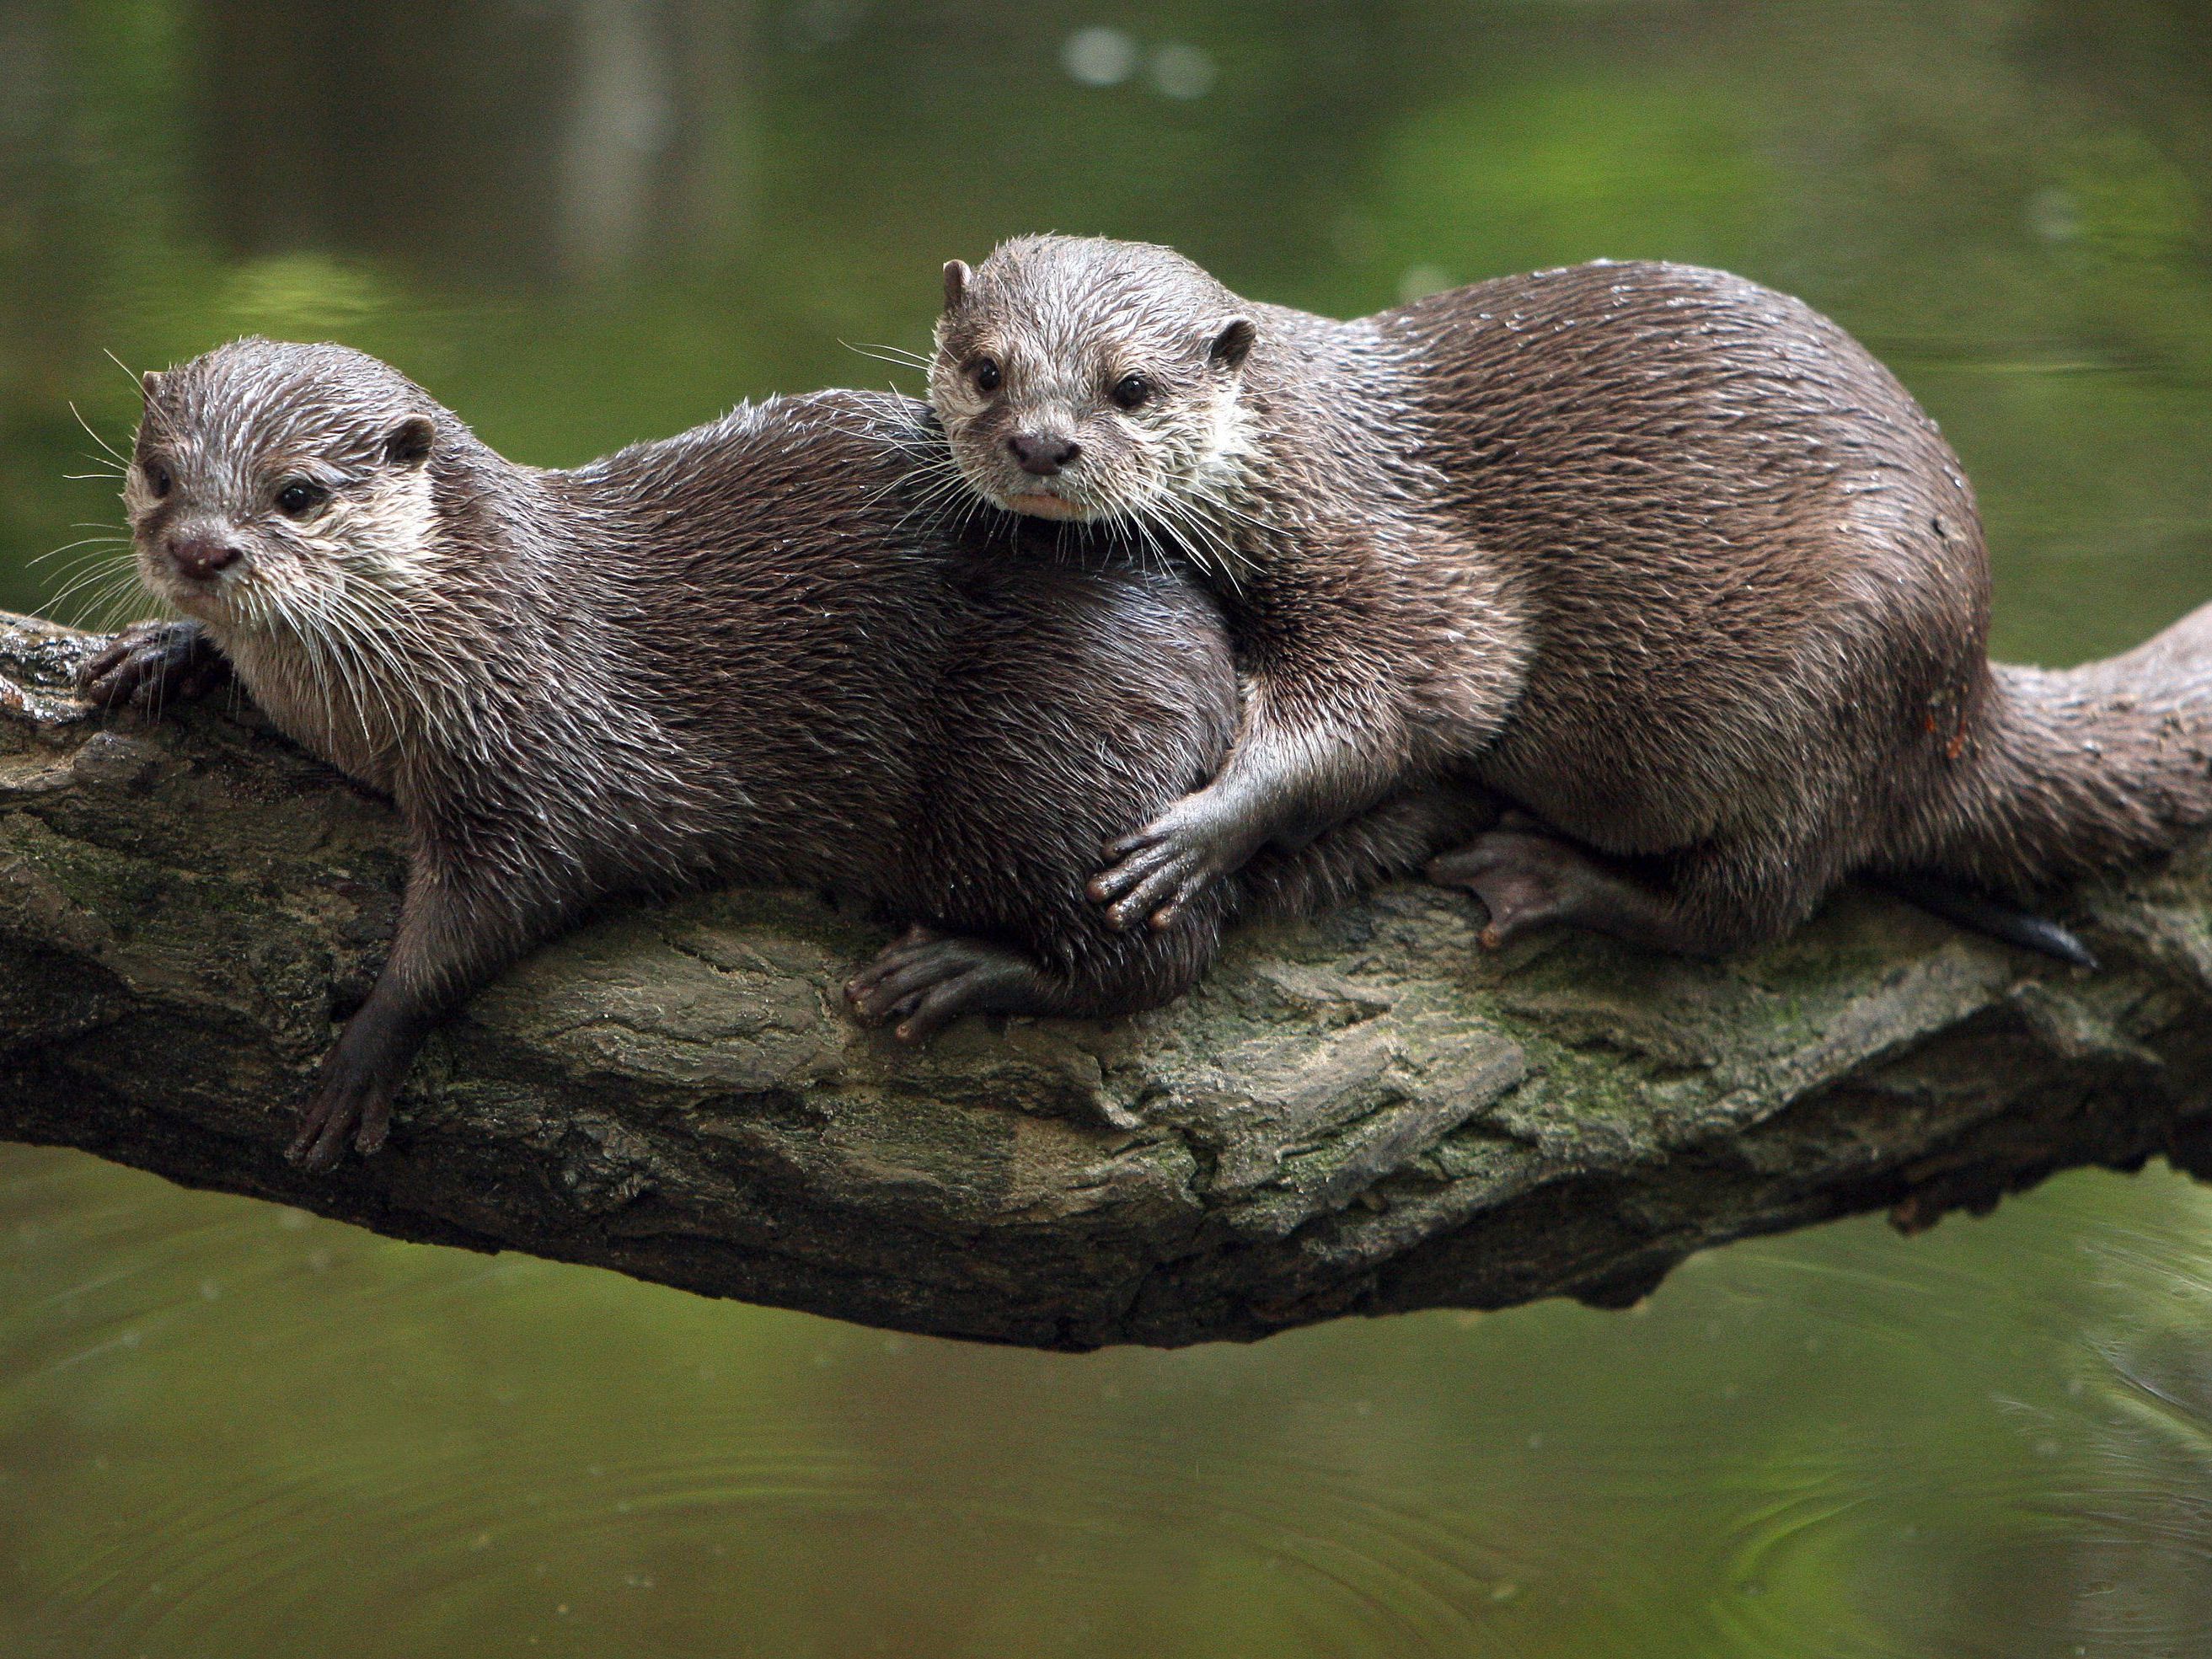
(233,1431)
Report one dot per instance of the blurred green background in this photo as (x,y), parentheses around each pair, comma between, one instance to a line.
(229,1431)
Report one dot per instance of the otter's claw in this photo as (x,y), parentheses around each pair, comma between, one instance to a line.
(876,992)
(925,982)
(152,663)
(353,1093)
(342,1106)
(1163,867)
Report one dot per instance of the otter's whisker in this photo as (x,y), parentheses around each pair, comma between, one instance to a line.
(113,454)
(897,355)
(83,541)
(104,598)
(83,573)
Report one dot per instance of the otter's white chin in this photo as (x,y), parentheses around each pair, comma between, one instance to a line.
(201,601)
(1038,505)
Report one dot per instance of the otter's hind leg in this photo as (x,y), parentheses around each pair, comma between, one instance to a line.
(925,981)
(1715,899)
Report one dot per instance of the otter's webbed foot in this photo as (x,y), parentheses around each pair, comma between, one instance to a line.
(354,1091)
(925,982)
(1525,881)
(1170,862)
(152,663)
(1528,879)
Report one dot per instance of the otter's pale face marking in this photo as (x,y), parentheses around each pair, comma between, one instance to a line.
(283,496)
(263,500)
(1082,381)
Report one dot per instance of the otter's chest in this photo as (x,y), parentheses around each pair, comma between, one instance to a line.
(333,710)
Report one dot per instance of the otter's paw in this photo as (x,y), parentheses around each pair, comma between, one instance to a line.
(1525,881)
(925,982)
(152,663)
(1166,864)
(353,1097)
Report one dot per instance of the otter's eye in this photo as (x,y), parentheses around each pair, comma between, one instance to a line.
(987,375)
(1131,389)
(299,498)
(158,479)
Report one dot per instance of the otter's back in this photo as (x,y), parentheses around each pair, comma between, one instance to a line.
(1739,536)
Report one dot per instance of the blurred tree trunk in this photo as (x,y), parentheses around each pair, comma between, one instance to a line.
(1360,1116)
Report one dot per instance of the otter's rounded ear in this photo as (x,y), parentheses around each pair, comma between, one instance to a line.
(409,443)
(1234,344)
(956,282)
(150,384)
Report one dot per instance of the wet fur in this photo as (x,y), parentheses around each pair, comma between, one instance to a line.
(1663,556)
(738,654)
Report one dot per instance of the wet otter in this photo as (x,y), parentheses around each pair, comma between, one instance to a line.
(1665,557)
(728,655)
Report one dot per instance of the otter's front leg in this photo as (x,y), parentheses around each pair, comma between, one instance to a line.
(452,938)
(361,1076)
(1202,839)
(1309,752)
(152,663)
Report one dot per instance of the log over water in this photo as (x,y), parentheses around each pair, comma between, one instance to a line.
(1365,1114)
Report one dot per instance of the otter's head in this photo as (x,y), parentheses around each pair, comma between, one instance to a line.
(282,488)
(1082,378)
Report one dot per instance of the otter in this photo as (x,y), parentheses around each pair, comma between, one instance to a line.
(737,654)
(1665,558)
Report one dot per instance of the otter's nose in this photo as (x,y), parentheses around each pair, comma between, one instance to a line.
(1042,456)
(198,558)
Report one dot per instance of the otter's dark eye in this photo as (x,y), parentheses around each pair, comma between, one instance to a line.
(158,479)
(987,375)
(299,498)
(1131,389)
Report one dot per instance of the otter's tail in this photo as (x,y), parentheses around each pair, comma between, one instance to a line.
(2084,768)
(1389,841)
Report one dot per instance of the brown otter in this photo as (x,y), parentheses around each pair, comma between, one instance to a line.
(1664,557)
(731,654)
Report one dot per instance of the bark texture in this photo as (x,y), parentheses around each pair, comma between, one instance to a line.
(1364,1115)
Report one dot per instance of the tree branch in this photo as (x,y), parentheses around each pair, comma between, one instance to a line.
(1363,1114)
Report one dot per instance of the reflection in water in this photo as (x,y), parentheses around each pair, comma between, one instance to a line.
(2144,1473)
(229,1431)
(234,1429)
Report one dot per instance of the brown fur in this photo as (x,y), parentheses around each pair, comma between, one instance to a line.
(1663,556)
(737,654)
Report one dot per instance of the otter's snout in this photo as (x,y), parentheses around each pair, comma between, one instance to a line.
(197,558)
(1041,455)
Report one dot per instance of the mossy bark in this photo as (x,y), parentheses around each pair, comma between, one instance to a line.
(1363,1114)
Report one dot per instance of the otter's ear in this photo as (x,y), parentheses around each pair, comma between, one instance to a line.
(1234,344)
(150,384)
(956,282)
(409,443)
